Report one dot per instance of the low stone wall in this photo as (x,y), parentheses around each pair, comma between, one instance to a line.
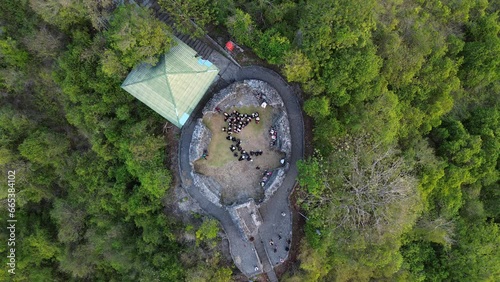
(199,142)
(272,96)
(231,96)
(282,126)
(203,183)
(226,98)
(274,182)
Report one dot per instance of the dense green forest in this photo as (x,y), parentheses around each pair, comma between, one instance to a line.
(403,183)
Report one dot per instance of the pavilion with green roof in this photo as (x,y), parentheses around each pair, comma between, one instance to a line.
(175,85)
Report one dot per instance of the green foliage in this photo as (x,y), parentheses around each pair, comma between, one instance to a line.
(326,131)
(490,196)
(336,24)
(421,263)
(382,117)
(41,248)
(359,202)
(476,255)
(311,175)
(14,126)
(62,14)
(207,231)
(185,12)
(318,107)
(485,123)
(207,273)
(98,12)
(111,64)
(222,275)
(471,155)
(241,26)
(348,72)
(481,52)
(404,95)
(134,36)
(45,148)
(458,144)
(89,166)
(38,251)
(70,219)
(272,46)
(222,10)
(279,12)
(297,66)
(313,263)
(430,96)
(17,18)
(11,55)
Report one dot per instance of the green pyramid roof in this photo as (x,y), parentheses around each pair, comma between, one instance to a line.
(175,85)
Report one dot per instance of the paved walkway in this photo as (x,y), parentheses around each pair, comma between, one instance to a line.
(243,252)
(276,227)
(266,265)
(261,255)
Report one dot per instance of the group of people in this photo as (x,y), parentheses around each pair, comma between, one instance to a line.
(275,247)
(237,121)
(274,136)
(265,177)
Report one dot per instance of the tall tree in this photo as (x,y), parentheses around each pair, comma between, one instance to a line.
(482,52)
(134,36)
(61,13)
(359,202)
(190,16)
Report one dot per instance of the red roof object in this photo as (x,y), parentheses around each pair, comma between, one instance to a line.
(230,46)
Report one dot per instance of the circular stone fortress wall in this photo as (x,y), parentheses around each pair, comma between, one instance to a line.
(241,146)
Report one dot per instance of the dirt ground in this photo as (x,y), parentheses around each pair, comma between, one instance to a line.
(240,179)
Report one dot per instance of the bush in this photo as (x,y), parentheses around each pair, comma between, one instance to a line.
(272,47)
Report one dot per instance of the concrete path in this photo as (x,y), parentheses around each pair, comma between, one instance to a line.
(277,227)
(243,252)
(253,258)
(266,265)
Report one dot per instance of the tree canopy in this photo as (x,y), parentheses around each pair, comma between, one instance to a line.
(401,178)
(134,36)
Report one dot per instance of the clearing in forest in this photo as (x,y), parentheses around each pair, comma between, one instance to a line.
(240,180)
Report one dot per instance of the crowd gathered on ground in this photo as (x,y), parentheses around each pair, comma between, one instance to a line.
(236,122)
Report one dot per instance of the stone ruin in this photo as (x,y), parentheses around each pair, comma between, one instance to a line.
(257,93)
